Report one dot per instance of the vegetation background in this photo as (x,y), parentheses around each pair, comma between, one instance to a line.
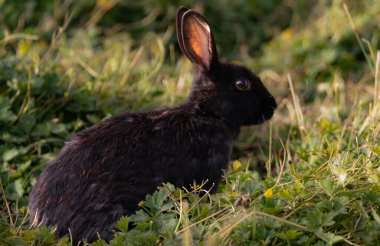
(309,177)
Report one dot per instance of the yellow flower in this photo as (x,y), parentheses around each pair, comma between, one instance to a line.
(236,165)
(268,193)
(309,204)
(23,47)
(288,34)
(324,123)
(376,149)
(232,193)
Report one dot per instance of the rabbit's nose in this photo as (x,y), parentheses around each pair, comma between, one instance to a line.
(271,103)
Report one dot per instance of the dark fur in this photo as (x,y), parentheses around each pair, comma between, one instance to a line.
(103,172)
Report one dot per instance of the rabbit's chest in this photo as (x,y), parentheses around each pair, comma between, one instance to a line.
(202,159)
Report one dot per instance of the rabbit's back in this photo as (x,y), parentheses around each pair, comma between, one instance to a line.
(103,172)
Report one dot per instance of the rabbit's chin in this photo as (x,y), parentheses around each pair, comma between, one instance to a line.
(259,119)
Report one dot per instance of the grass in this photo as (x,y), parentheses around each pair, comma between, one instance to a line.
(309,177)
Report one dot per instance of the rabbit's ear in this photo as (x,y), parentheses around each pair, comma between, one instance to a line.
(180,13)
(196,40)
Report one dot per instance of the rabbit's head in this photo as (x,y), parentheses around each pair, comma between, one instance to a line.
(231,91)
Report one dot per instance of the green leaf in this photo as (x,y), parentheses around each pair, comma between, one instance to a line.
(10,154)
(26,123)
(58,128)
(329,237)
(15,241)
(44,236)
(22,167)
(375,216)
(328,186)
(29,236)
(6,115)
(136,237)
(285,195)
(99,242)
(156,201)
(64,242)
(19,187)
(289,234)
(139,216)
(337,205)
(317,219)
(42,130)
(123,223)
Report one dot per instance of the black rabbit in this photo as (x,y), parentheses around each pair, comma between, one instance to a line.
(103,172)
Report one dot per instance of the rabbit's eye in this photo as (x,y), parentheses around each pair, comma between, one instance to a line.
(243,84)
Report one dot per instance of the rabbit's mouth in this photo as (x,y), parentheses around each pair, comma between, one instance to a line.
(264,117)
(268,112)
(260,117)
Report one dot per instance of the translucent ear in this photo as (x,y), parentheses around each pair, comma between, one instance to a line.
(196,40)
(180,12)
